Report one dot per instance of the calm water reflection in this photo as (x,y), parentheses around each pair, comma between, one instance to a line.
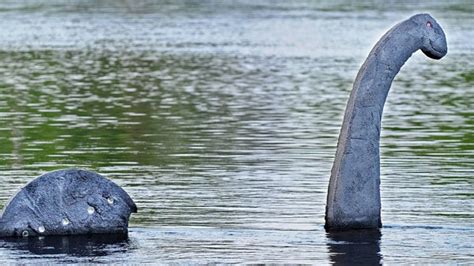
(221,121)
(84,248)
(355,247)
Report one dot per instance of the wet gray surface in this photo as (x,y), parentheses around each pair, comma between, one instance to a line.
(221,122)
(67,202)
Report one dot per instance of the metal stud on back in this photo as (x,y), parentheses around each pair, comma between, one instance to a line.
(110,200)
(90,210)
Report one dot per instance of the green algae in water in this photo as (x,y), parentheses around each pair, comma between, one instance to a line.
(468,76)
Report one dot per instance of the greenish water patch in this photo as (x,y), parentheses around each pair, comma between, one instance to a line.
(468,76)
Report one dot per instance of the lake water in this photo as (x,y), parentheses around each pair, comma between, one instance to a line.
(221,121)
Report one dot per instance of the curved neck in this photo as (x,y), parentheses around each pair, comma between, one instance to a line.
(365,106)
(355,176)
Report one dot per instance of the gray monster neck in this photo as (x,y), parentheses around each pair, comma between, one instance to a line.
(354,188)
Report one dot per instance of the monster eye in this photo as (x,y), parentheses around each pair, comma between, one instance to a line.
(429,24)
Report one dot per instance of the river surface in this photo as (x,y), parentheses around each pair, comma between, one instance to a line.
(221,118)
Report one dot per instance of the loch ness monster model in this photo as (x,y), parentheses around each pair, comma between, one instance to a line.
(72,201)
(353,200)
(67,202)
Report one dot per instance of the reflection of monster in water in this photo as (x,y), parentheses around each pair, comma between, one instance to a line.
(67,202)
(78,245)
(358,247)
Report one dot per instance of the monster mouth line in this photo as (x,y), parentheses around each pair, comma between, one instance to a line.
(436,50)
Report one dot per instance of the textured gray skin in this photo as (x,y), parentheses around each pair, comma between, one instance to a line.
(353,200)
(67,202)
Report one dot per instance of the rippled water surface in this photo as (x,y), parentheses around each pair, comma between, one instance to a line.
(221,121)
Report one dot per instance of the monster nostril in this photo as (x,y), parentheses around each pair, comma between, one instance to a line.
(429,24)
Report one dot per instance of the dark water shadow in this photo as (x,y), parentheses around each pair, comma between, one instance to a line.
(77,246)
(358,247)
